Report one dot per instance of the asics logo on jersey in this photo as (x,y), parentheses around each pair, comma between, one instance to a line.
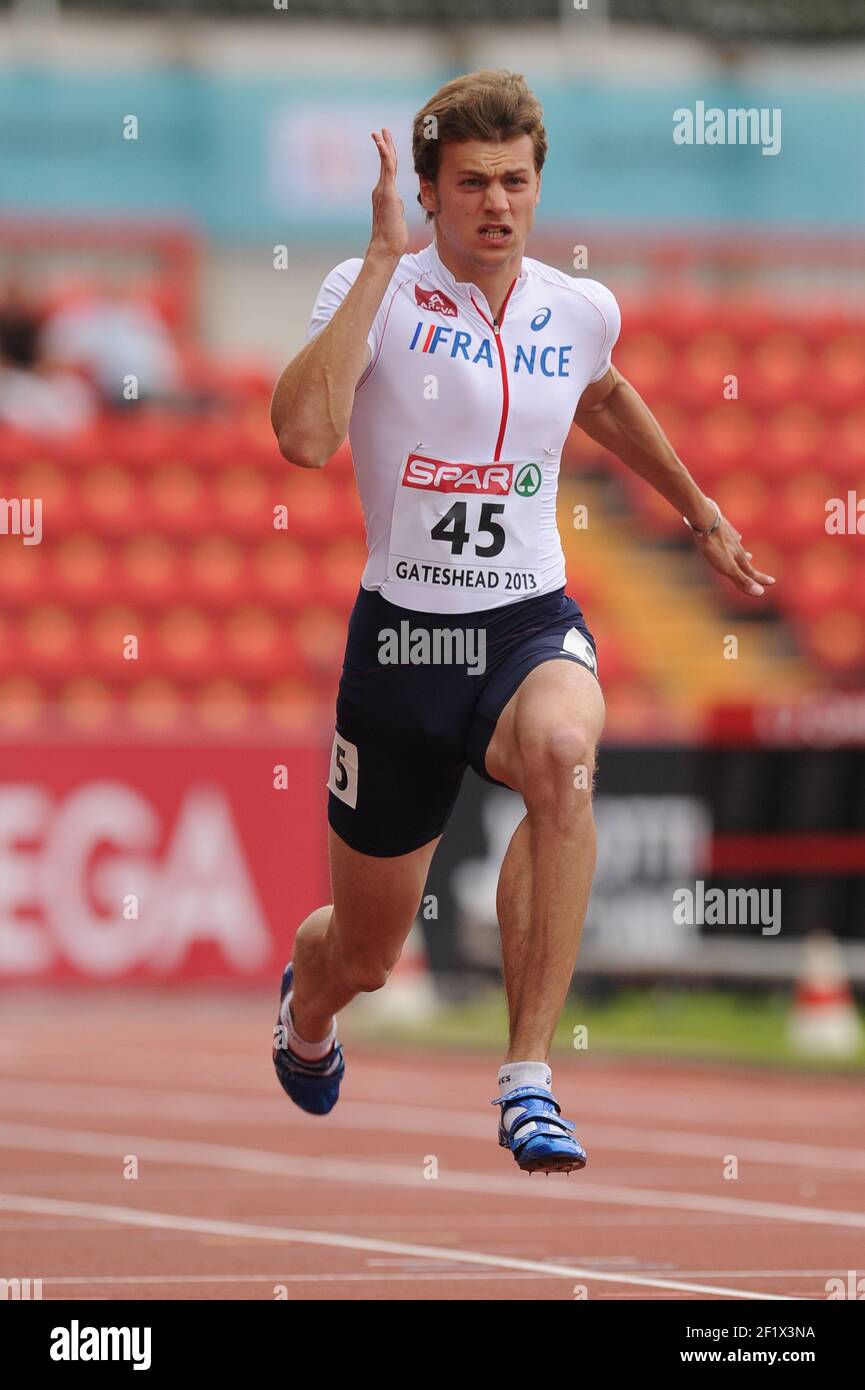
(549,361)
(437,476)
(435,300)
(541,319)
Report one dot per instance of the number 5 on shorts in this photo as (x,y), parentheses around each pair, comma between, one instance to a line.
(343,770)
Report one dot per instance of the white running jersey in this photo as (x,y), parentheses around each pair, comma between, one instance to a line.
(458,425)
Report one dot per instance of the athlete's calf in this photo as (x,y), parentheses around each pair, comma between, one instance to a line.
(544,747)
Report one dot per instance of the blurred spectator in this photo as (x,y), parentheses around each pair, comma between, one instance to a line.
(35,394)
(113,336)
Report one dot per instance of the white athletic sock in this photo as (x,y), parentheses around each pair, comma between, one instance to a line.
(307,1051)
(513,1074)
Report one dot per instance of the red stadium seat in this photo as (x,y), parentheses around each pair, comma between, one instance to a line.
(82,569)
(22,573)
(41,477)
(223,704)
(217,571)
(744,498)
(255,643)
(22,702)
(245,499)
(146,438)
(86,704)
(280,568)
(778,371)
(727,435)
(348,508)
(179,499)
(150,567)
(646,359)
(293,706)
(155,704)
(187,645)
(792,438)
(310,496)
(111,501)
(51,640)
(749,320)
(110,651)
(340,463)
(841,368)
(340,567)
(799,514)
(318,636)
(614,664)
(704,365)
(662,519)
(855,594)
(18,446)
(837,642)
(846,446)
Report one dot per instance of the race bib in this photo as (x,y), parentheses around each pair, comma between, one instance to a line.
(467,525)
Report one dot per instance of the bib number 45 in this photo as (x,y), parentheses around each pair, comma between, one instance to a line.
(452,529)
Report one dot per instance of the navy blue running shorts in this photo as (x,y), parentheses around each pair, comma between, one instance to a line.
(418,701)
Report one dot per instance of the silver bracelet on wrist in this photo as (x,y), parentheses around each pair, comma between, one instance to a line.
(715,524)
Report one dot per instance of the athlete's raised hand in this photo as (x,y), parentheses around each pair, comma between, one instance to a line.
(725,553)
(389,230)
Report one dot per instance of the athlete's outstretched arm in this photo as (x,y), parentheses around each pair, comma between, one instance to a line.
(615,415)
(312,402)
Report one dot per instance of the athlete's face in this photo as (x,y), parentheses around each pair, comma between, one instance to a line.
(484,199)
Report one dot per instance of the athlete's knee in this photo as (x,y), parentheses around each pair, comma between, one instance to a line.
(559,768)
(364,974)
(366,961)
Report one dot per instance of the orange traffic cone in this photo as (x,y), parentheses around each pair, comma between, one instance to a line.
(823,1019)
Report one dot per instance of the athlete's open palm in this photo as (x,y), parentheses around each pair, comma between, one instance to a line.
(389,230)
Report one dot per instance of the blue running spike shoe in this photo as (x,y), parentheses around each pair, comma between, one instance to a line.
(539,1140)
(314,1086)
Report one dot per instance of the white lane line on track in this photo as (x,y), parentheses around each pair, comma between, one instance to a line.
(360,1172)
(370,1276)
(406,1273)
(371,1083)
(167,1221)
(380,1083)
(757,1273)
(203,1107)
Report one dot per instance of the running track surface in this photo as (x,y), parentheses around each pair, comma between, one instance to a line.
(240,1195)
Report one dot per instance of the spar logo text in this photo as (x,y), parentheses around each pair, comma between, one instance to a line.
(549,361)
(437,476)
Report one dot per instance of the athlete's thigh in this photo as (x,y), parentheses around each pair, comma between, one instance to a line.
(557,696)
(375,899)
